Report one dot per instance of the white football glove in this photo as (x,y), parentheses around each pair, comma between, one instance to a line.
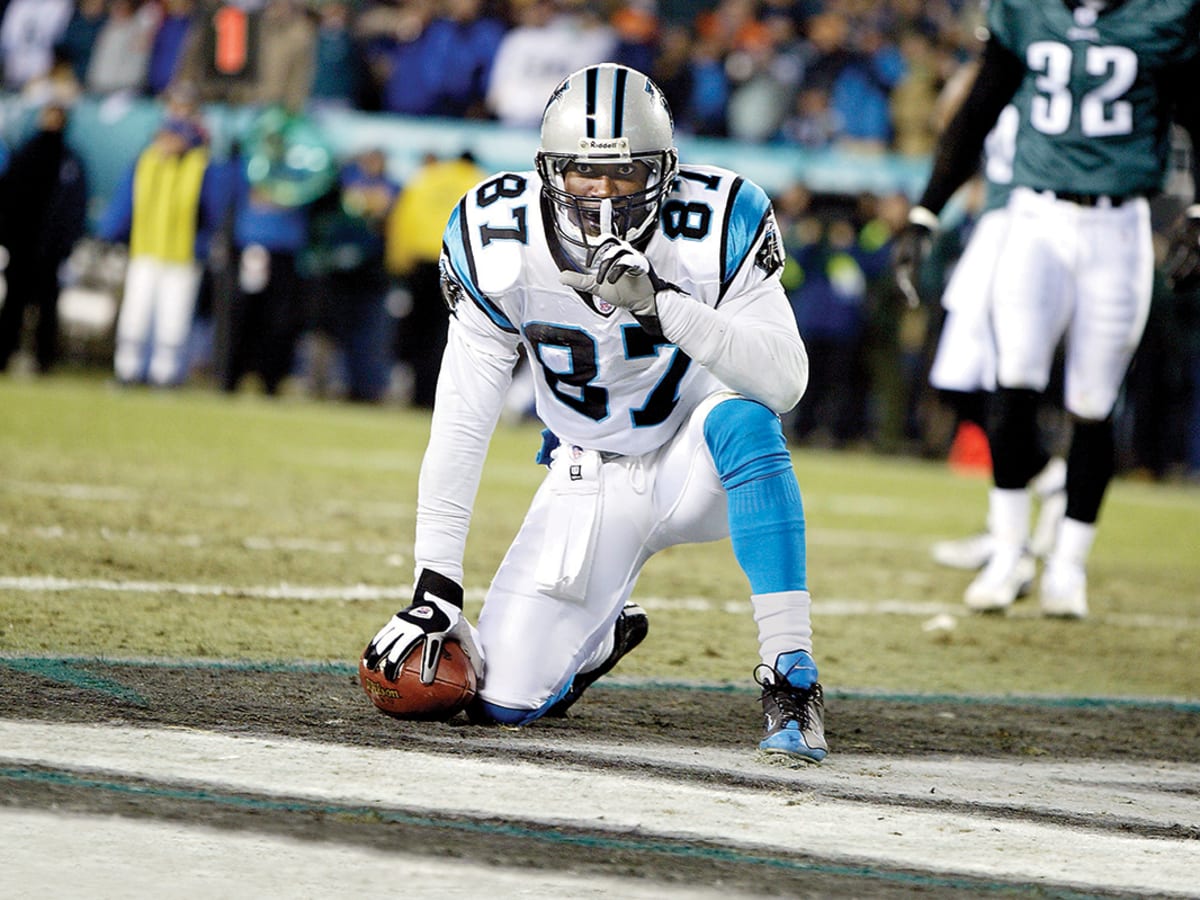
(910,250)
(434,616)
(620,275)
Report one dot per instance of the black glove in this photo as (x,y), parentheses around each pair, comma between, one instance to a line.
(1182,265)
(909,250)
(434,616)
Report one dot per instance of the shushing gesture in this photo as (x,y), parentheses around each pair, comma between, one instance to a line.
(620,274)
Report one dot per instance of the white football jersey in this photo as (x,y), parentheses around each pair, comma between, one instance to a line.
(602,381)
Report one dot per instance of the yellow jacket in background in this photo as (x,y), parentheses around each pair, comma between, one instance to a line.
(166,201)
(416,223)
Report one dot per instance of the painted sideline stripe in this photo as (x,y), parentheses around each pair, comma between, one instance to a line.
(944,843)
(70,670)
(549,835)
(122,857)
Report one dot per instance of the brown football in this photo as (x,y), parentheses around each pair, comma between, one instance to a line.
(406,698)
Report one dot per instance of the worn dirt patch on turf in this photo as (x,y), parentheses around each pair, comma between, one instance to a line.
(326,703)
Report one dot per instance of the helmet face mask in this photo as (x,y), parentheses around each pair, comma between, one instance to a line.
(606,120)
(583,215)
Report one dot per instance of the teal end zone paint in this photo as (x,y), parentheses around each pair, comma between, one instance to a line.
(67,671)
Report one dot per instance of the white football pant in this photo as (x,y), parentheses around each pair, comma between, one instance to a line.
(156,313)
(534,642)
(966,353)
(1086,272)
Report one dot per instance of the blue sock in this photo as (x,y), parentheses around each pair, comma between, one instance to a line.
(766,511)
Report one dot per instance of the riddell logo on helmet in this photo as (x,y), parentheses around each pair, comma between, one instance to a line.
(594,145)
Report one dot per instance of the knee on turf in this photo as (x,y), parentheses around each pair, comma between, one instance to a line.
(746,441)
(483,712)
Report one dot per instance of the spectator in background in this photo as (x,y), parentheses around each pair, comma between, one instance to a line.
(826,280)
(898,338)
(59,84)
(276,69)
(814,124)
(43,213)
(672,72)
(730,51)
(121,54)
(552,39)
(858,82)
(80,35)
(340,74)
(28,34)
(378,27)
(271,224)
(636,25)
(764,64)
(837,252)
(414,245)
(166,208)
(443,70)
(706,108)
(915,97)
(346,262)
(168,43)
(1151,420)
(732,23)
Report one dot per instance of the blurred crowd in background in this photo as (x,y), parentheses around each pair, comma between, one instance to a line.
(321,277)
(816,73)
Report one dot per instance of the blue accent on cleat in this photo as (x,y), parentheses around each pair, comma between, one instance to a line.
(798,667)
(792,742)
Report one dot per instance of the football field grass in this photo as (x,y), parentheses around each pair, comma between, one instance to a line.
(191,525)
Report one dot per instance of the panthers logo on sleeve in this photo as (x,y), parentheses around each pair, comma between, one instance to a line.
(770,255)
(452,288)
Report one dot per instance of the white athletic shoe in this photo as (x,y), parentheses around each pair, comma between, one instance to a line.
(1064,590)
(969,553)
(1050,490)
(1050,516)
(1005,578)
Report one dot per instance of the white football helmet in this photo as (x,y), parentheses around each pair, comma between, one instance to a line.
(606,114)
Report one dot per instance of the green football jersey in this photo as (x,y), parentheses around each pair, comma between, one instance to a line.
(1094,119)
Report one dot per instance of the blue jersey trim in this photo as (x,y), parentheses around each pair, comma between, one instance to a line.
(748,206)
(458,252)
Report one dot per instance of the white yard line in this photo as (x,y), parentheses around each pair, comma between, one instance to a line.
(101,493)
(831,607)
(51,584)
(950,842)
(114,857)
(826,537)
(1103,792)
